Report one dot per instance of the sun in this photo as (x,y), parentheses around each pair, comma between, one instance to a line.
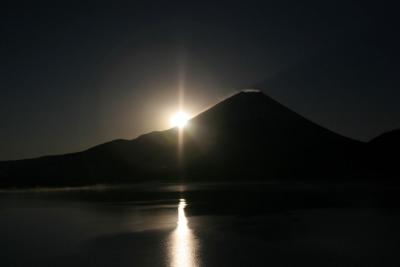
(179,119)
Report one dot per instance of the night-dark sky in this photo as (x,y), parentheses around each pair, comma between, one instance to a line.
(74,75)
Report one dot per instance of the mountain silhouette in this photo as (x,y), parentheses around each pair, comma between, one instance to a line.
(247,136)
(383,153)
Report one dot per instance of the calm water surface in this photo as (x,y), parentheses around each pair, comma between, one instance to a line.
(200,225)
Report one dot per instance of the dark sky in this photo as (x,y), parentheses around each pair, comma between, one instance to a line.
(75,74)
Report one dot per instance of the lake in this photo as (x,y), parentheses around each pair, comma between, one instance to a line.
(258,224)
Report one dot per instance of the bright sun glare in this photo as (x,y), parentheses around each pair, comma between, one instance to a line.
(179,119)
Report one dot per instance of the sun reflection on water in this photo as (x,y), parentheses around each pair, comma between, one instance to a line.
(183,244)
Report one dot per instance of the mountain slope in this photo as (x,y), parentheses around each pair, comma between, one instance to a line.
(245,137)
(259,136)
(338,88)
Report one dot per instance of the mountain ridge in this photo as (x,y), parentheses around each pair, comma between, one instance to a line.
(248,136)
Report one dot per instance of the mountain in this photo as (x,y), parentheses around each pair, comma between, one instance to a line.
(247,136)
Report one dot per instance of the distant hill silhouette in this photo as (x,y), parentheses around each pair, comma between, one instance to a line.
(247,136)
(384,153)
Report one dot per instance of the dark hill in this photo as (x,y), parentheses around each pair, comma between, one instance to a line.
(384,153)
(388,141)
(247,136)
